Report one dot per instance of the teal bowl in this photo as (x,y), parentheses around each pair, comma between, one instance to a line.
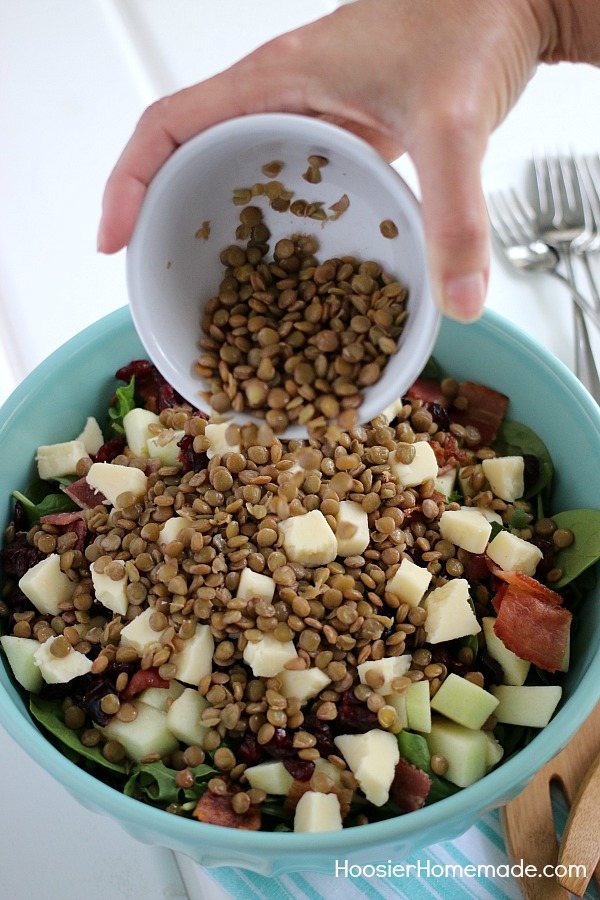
(76,380)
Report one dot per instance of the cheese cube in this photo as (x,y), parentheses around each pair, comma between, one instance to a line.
(513,554)
(159,697)
(308,539)
(113,480)
(302,683)
(184,717)
(165,447)
(91,437)
(466,529)
(20,653)
(423,466)
(138,633)
(171,529)
(271,776)
(352,533)
(389,668)
(255,585)
(57,460)
(146,734)
(409,583)
(111,594)
(268,656)
(506,476)
(317,812)
(137,429)
(196,659)
(514,669)
(490,514)
(449,613)
(219,445)
(47,586)
(60,669)
(373,758)
(392,411)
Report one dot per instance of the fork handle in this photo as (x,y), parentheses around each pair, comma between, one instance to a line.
(591,279)
(578,298)
(585,363)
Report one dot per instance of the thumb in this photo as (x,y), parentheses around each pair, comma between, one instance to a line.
(454,217)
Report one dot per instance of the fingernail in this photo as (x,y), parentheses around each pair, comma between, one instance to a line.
(463,297)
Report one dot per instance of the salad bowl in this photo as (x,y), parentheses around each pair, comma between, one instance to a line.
(76,381)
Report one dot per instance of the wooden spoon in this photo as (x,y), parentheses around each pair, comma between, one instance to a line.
(528,821)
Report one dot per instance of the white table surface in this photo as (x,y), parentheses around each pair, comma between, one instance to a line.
(74,77)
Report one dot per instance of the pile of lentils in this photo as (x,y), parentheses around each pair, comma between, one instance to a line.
(295,340)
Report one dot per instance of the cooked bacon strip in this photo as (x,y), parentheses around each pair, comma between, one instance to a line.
(532,622)
(62,518)
(142,679)
(428,390)
(410,786)
(83,495)
(485,409)
(217,810)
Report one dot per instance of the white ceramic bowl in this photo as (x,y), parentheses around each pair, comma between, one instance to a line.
(171,272)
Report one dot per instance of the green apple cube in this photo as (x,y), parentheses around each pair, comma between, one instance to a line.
(137,424)
(418,707)
(495,751)
(464,481)
(515,669)
(529,705)
(317,812)
(463,701)
(184,717)
(147,734)
(465,749)
(159,697)
(20,654)
(270,776)
(398,702)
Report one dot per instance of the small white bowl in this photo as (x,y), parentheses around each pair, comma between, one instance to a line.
(172,272)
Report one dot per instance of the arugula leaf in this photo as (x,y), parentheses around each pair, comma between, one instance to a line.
(51,503)
(125,396)
(516,439)
(413,747)
(585,549)
(431,370)
(519,518)
(156,783)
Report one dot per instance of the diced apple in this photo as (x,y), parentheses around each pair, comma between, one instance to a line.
(464,480)
(268,656)
(352,533)
(490,514)
(57,460)
(444,484)
(463,701)
(372,757)
(418,707)
(495,751)
(138,633)
(271,776)
(449,613)
(145,735)
(308,539)
(410,582)
(111,593)
(327,768)
(60,669)
(113,480)
(137,429)
(514,669)
(159,697)
(423,466)
(466,529)
(164,447)
(91,437)
(196,659)
(465,749)
(388,668)
(302,683)
(47,586)
(184,717)
(513,554)
(317,812)
(216,434)
(529,705)
(171,529)
(505,475)
(398,702)
(255,585)
(20,653)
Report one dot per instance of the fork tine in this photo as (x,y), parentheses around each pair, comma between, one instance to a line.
(544,191)
(516,230)
(523,213)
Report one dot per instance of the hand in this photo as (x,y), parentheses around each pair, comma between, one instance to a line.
(430,78)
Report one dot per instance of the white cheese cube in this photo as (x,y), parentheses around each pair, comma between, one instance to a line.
(268,656)
(111,594)
(196,659)
(113,480)
(449,613)
(409,583)
(308,539)
(392,411)
(146,734)
(352,534)
(513,554)
(373,758)
(490,514)
(57,460)
(528,705)
(166,451)
(317,812)
(184,717)
(506,476)
(219,445)
(137,429)
(159,697)
(388,668)
(514,669)
(332,771)
(47,586)
(91,437)
(60,669)
(20,653)
(271,776)
(466,529)
(423,466)
(255,585)
(302,683)
(172,528)
(138,633)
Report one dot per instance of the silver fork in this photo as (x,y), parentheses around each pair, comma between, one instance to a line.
(587,170)
(561,218)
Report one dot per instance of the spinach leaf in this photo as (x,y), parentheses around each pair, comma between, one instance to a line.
(519,518)
(51,503)
(125,396)
(413,747)
(585,549)
(431,370)
(156,783)
(516,439)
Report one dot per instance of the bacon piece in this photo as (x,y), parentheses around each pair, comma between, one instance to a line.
(68,522)
(428,390)
(485,409)
(216,809)
(532,622)
(62,518)
(83,495)
(142,679)
(410,786)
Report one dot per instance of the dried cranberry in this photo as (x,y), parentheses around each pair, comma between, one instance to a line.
(300,769)
(109,450)
(20,518)
(531,473)
(354,716)
(19,556)
(190,460)
(490,669)
(281,745)
(250,751)
(547,562)
(150,385)
(477,568)
(322,732)
(439,415)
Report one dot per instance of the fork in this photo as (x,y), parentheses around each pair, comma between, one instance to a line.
(587,170)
